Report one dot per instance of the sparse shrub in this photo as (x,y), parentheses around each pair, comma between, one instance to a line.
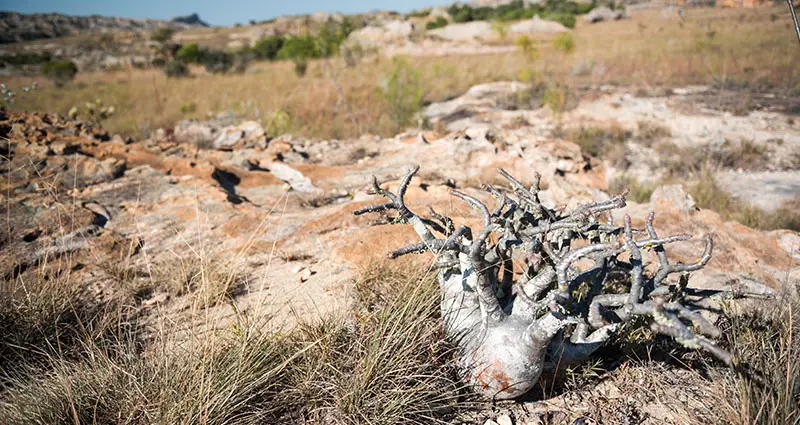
(159,62)
(555,97)
(190,53)
(176,69)
(188,108)
(95,112)
(597,141)
(564,42)
(300,66)
(403,91)
(500,28)
(527,46)
(352,53)
(162,35)
(650,132)
(279,123)
(439,22)
(216,61)
(60,72)
(241,61)
(528,75)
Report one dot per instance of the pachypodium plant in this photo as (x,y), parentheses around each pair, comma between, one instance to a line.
(514,299)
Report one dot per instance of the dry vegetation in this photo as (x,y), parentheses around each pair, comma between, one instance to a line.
(743,49)
(68,359)
(67,362)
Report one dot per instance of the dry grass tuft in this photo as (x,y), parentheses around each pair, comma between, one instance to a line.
(767,344)
(384,363)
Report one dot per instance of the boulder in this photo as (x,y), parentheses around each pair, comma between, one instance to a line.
(603,13)
(246,134)
(537,25)
(375,35)
(467,31)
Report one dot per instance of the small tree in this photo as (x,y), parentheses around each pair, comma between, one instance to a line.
(60,72)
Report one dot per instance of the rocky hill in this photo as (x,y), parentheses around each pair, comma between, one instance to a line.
(16,27)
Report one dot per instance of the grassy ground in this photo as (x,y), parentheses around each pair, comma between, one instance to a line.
(68,359)
(69,362)
(746,49)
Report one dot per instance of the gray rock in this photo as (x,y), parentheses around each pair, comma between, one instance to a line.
(467,31)
(537,25)
(600,14)
(673,196)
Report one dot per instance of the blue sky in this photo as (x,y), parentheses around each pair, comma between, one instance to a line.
(215,12)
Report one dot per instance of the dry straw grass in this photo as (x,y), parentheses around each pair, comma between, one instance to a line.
(734,48)
(385,362)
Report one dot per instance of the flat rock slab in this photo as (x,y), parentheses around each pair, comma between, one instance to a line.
(766,190)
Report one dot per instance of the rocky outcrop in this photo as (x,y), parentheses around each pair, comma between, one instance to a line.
(278,208)
(15,27)
(192,20)
(380,34)
(467,31)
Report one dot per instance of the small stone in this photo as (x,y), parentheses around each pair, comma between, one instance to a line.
(504,420)
(306,274)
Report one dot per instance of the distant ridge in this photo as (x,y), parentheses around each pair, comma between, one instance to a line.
(15,27)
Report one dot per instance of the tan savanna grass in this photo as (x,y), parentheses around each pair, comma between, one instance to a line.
(743,48)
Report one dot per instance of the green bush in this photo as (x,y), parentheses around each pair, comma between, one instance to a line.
(438,23)
(176,69)
(563,11)
(189,53)
(60,72)
(268,48)
(403,91)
